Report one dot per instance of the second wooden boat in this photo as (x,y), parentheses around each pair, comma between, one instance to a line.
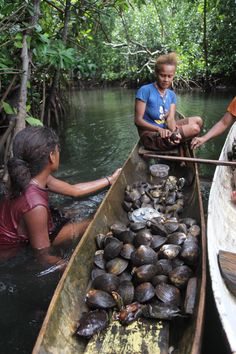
(221,236)
(57,334)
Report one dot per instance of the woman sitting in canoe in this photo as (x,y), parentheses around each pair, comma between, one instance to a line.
(25,216)
(155,107)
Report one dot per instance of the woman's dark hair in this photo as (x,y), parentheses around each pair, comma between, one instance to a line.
(169,59)
(31,149)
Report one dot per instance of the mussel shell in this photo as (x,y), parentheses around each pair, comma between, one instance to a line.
(99,299)
(171,198)
(182,228)
(126,275)
(99,260)
(112,249)
(157,279)
(157,242)
(136,204)
(179,276)
(168,293)
(132,196)
(127,250)
(96,272)
(100,240)
(160,310)
(166,266)
(169,251)
(190,251)
(194,230)
(143,255)
(126,291)
(92,322)
(106,282)
(188,221)
(176,238)
(117,228)
(127,205)
(126,237)
(144,273)
(144,292)
(136,226)
(143,237)
(157,228)
(145,199)
(116,265)
(176,262)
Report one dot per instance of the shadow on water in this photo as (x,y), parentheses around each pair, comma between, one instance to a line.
(96,138)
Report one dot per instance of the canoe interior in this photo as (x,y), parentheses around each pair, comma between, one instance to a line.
(57,333)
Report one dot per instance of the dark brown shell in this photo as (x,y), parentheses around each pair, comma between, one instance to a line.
(176,238)
(113,248)
(190,251)
(99,299)
(166,266)
(144,273)
(106,282)
(126,275)
(116,265)
(117,228)
(92,322)
(188,221)
(136,226)
(182,228)
(144,292)
(96,272)
(143,255)
(126,291)
(168,294)
(159,279)
(99,260)
(126,236)
(157,227)
(169,251)
(100,240)
(194,230)
(157,242)
(161,311)
(179,276)
(132,196)
(127,250)
(143,237)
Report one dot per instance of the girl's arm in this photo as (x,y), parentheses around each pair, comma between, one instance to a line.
(80,189)
(140,107)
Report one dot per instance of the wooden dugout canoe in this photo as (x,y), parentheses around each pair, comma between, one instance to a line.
(221,236)
(57,332)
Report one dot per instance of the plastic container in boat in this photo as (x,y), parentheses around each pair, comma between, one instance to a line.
(159,170)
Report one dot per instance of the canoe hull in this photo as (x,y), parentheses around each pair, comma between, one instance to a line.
(57,333)
(221,231)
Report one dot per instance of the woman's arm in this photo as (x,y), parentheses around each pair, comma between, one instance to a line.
(80,189)
(140,107)
(171,118)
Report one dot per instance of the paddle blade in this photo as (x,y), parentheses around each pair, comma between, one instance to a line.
(227,263)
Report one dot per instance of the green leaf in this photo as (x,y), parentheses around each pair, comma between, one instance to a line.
(33,121)
(18,44)
(8,108)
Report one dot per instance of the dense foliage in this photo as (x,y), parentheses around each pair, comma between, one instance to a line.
(45,45)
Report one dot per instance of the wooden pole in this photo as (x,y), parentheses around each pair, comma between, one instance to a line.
(191,159)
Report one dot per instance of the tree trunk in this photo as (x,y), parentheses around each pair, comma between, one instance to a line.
(205,47)
(56,78)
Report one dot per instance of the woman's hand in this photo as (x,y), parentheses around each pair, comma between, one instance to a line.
(233,197)
(164,133)
(197,142)
(114,176)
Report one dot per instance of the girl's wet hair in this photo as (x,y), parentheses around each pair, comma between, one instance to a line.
(31,149)
(168,59)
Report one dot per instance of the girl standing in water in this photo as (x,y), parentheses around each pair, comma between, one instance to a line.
(25,216)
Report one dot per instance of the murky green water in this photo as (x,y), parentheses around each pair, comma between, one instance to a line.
(96,138)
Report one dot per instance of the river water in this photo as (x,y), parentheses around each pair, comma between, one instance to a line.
(96,138)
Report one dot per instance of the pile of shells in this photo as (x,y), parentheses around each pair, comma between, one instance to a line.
(143,268)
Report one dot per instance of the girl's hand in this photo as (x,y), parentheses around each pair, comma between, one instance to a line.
(164,133)
(197,142)
(114,176)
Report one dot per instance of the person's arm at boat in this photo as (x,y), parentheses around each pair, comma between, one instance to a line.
(80,189)
(225,122)
(140,107)
(171,123)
